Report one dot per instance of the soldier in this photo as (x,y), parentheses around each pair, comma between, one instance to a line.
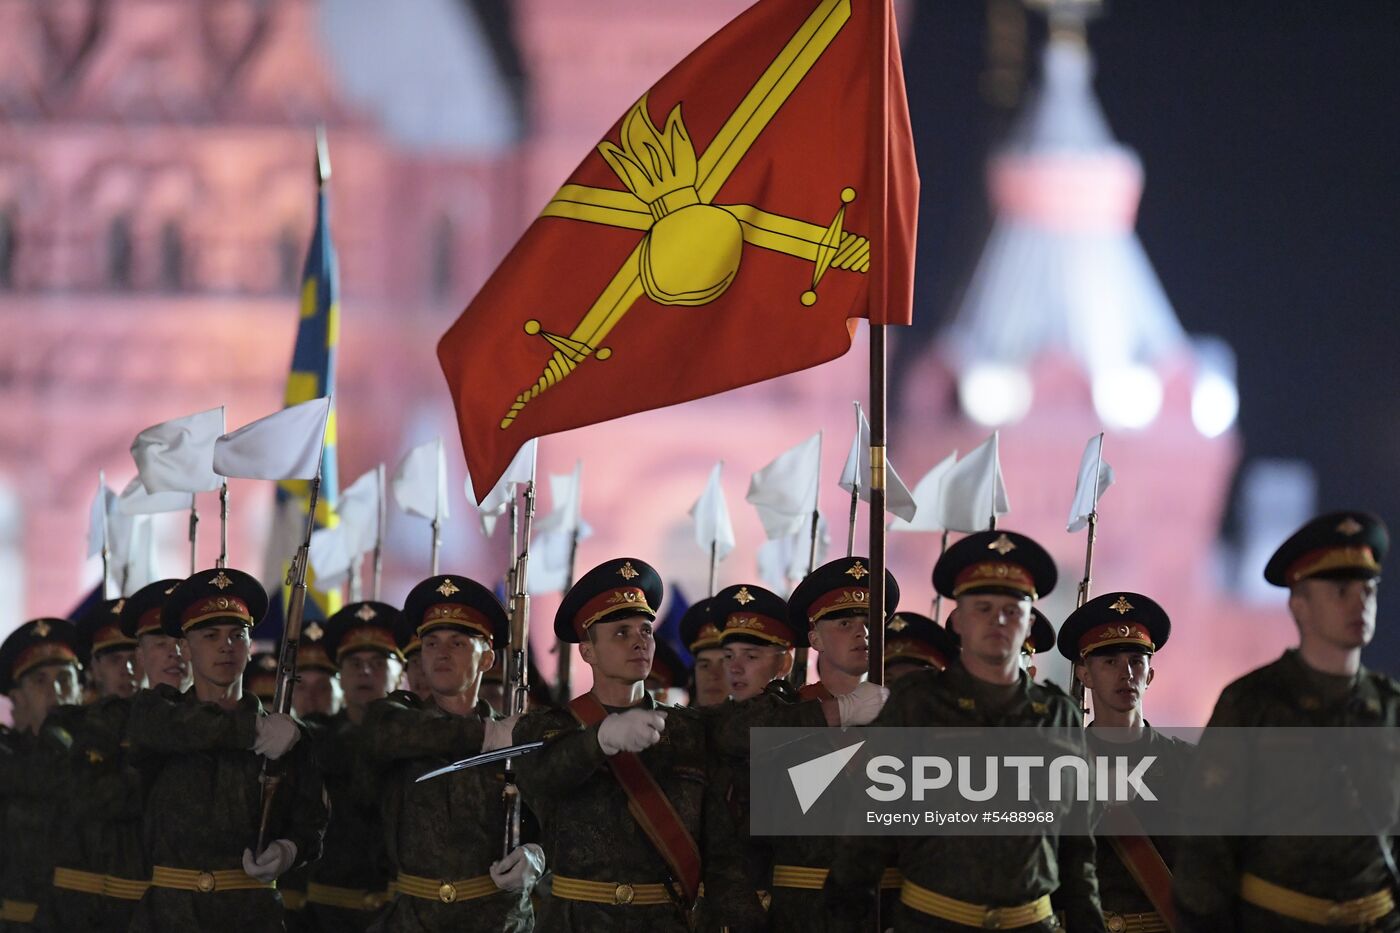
(915,642)
(668,675)
(158,655)
(758,640)
(39,672)
(349,884)
(203,749)
(413,679)
(106,652)
(953,882)
(701,636)
(631,818)
(1112,641)
(260,676)
(1331,568)
(1042,640)
(444,835)
(317,695)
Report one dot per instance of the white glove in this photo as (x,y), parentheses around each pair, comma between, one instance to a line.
(498,733)
(280,855)
(519,870)
(277,733)
(631,731)
(863,704)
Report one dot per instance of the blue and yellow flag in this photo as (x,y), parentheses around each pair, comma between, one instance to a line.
(313,376)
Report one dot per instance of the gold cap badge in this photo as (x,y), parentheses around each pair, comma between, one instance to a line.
(627,571)
(1122,606)
(314,631)
(448,588)
(744,597)
(1350,527)
(897,625)
(365,613)
(41,628)
(1002,545)
(858,571)
(221,580)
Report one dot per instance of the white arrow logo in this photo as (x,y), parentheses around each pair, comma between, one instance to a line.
(811,778)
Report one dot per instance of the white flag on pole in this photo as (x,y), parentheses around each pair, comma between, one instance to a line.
(898,500)
(928,496)
(783,561)
(554,536)
(520,471)
(420,481)
(713,528)
(330,556)
(334,550)
(178,455)
(1088,489)
(973,490)
(135,500)
(97,517)
(284,445)
(785,491)
(138,564)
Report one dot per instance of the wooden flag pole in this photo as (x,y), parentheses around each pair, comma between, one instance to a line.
(379,532)
(194,536)
(223,525)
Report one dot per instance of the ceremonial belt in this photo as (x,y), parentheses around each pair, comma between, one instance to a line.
(618,894)
(70,879)
(648,805)
(446,892)
(1140,856)
(206,882)
(891,880)
(1318,910)
(291,899)
(124,889)
(799,876)
(348,898)
(1150,922)
(974,915)
(18,911)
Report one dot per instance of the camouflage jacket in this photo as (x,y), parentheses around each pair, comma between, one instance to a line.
(590,834)
(448,829)
(1208,869)
(996,871)
(204,805)
(34,783)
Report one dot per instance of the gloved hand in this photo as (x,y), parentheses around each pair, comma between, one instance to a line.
(276,734)
(499,732)
(280,855)
(519,870)
(863,704)
(631,731)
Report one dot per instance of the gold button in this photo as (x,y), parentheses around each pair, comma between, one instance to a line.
(447,893)
(204,883)
(623,894)
(1115,923)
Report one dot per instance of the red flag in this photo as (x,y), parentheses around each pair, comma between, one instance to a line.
(725,231)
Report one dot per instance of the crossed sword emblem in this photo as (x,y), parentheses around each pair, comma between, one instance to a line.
(690,248)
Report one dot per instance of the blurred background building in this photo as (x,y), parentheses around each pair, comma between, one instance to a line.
(156,197)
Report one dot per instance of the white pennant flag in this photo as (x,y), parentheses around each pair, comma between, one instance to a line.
(135,500)
(520,471)
(713,528)
(1088,488)
(334,551)
(928,495)
(898,500)
(420,481)
(138,563)
(99,518)
(178,455)
(331,557)
(783,561)
(284,445)
(785,491)
(553,546)
(973,490)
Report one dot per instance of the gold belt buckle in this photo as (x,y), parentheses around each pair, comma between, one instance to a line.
(624,894)
(1337,914)
(1115,922)
(204,883)
(373,900)
(447,892)
(992,919)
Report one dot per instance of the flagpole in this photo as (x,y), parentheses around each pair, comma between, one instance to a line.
(714,547)
(194,536)
(513,514)
(877,503)
(937,596)
(798,677)
(517,670)
(855,491)
(223,525)
(379,532)
(1077,688)
(106,544)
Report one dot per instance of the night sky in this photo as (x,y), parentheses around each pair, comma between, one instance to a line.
(1270,136)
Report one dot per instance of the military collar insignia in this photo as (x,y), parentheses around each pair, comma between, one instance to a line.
(268,663)
(1122,606)
(41,628)
(858,571)
(1002,545)
(744,597)
(221,580)
(1350,527)
(1040,709)
(447,588)
(314,631)
(627,571)
(365,613)
(897,625)
(966,703)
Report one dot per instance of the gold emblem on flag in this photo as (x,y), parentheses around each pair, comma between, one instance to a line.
(365,613)
(691,248)
(221,580)
(1350,527)
(627,571)
(447,587)
(858,571)
(314,631)
(744,597)
(1002,545)
(1122,606)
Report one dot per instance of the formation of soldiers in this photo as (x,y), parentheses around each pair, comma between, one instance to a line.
(140,809)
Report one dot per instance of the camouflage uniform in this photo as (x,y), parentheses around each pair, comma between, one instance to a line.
(34,783)
(1336,868)
(204,806)
(445,830)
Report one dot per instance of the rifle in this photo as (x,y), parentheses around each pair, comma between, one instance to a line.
(271,775)
(517,667)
